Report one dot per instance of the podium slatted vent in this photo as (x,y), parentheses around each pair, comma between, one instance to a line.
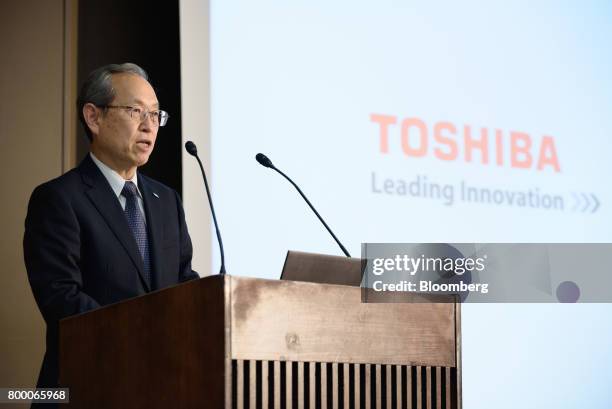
(310,385)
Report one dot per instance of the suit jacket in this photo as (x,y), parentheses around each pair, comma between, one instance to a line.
(80,253)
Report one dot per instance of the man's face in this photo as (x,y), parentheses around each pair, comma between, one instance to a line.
(124,141)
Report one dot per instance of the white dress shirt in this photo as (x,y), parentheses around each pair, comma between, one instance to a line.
(117,182)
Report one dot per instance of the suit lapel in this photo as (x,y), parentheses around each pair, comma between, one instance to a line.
(104,199)
(153,212)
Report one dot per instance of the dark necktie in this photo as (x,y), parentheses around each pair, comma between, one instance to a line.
(137,224)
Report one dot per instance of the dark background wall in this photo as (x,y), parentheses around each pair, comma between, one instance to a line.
(145,33)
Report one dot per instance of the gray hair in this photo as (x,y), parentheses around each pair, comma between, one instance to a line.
(98,88)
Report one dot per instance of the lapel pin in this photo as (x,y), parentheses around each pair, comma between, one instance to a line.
(156,195)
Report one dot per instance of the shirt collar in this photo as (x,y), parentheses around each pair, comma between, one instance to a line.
(115,180)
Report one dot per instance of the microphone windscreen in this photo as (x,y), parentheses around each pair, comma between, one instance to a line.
(191,148)
(264,160)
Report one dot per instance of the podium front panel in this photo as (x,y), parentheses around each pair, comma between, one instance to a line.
(298,321)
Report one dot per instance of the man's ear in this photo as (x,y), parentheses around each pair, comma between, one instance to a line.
(91,114)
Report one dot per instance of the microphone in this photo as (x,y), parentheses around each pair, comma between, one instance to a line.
(265,161)
(193,151)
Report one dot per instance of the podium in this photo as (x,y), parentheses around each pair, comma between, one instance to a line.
(229,342)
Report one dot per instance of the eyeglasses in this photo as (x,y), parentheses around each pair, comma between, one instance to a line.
(158,117)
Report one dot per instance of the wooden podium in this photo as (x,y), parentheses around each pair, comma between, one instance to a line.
(234,342)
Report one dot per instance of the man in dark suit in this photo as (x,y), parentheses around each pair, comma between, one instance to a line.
(103,232)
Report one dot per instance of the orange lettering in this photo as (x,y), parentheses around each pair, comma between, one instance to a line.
(445,140)
(470,144)
(548,154)
(517,148)
(384,121)
(408,150)
(499,148)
